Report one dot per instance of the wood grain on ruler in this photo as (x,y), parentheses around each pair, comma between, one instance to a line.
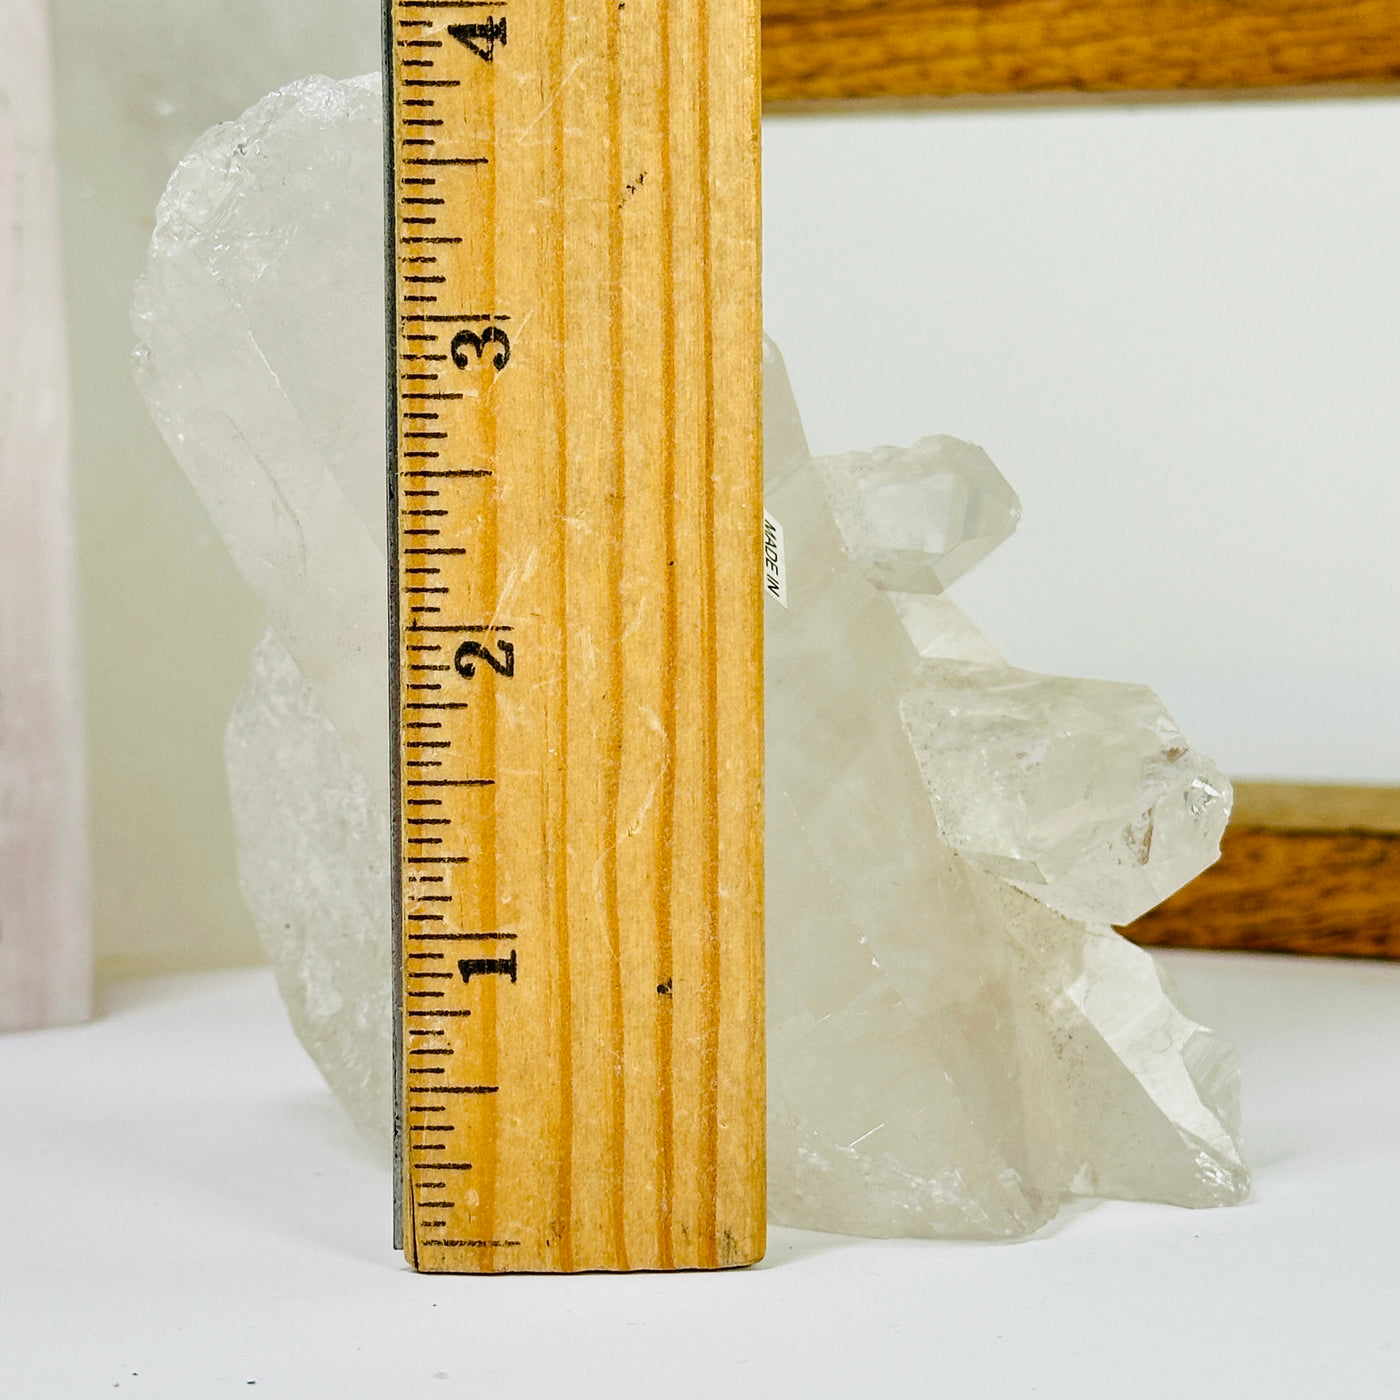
(604,873)
(833,49)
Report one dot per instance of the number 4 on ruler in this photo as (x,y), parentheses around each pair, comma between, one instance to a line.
(481,39)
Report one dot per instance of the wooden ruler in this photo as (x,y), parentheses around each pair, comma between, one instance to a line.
(576,522)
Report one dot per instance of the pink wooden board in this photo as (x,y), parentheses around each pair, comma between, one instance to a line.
(45,944)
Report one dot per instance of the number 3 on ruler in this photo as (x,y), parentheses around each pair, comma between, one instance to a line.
(470,340)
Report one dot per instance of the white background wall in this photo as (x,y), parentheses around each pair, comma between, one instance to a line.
(1173,328)
(1176,329)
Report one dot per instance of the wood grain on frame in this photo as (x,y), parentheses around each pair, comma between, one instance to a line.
(830,50)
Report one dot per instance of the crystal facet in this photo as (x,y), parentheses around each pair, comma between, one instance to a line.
(313,854)
(1082,793)
(950,1053)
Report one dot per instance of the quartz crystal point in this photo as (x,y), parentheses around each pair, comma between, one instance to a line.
(949,1054)
(914,518)
(260,362)
(1082,793)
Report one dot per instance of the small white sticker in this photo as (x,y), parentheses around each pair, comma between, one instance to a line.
(774,562)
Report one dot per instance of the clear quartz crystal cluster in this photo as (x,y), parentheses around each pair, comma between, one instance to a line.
(958,1041)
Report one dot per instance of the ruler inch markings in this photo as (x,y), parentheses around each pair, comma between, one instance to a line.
(574,515)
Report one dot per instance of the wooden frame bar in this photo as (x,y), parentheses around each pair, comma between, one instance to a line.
(836,50)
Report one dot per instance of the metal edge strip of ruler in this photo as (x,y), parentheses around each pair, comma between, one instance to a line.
(391,554)
(577,729)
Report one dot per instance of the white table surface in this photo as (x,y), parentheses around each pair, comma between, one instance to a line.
(185,1212)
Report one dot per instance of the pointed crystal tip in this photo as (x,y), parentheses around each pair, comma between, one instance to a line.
(913,519)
